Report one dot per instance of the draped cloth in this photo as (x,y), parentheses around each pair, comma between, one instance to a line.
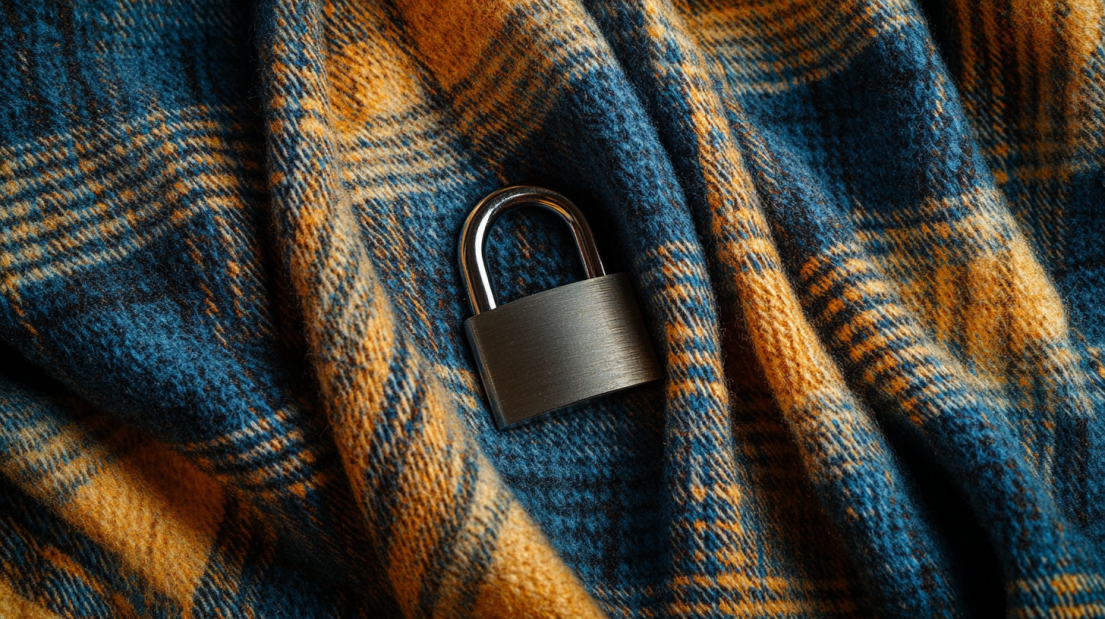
(867,238)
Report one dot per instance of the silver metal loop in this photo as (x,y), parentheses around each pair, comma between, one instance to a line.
(473,237)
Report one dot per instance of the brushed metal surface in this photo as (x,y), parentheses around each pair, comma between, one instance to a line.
(561,346)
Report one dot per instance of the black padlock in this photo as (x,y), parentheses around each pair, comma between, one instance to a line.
(560,346)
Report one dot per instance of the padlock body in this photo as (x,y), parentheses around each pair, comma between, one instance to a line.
(561,346)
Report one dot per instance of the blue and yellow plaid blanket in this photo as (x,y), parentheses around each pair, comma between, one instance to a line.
(867,237)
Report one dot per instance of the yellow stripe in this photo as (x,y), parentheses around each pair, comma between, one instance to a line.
(479,520)
(770,47)
(428,493)
(97,147)
(370,74)
(1067,587)
(14,606)
(107,214)
(143,503)
(466,48)
(1034,124)
(454,37)
(527,579)
(126,217)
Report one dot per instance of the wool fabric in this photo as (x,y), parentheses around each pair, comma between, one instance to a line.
(867,238)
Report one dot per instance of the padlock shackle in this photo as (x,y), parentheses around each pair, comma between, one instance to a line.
(473,237)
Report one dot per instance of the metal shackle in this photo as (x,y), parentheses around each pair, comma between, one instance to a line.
(473,237)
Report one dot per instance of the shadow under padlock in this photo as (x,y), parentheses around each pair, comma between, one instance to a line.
(560,346)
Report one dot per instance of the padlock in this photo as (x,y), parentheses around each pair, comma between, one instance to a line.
(558,347)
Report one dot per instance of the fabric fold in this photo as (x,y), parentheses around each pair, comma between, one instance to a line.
(865,237)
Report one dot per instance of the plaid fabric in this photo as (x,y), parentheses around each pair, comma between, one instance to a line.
(868,238)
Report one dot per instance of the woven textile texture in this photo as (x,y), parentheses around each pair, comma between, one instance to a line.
(867,238)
